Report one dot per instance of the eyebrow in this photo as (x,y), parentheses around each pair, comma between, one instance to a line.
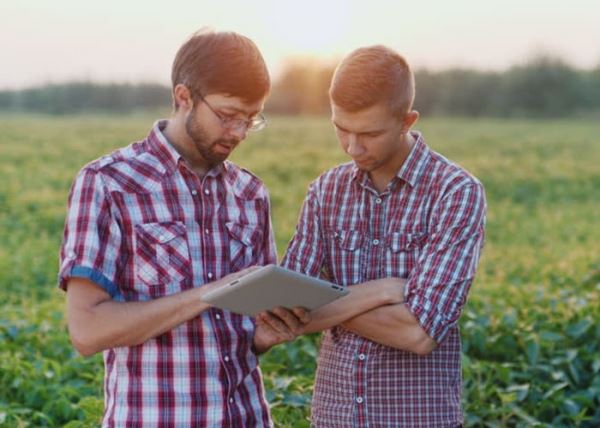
(340,127)
(240,111)
(374,131)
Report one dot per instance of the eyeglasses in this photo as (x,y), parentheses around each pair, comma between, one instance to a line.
(227,122)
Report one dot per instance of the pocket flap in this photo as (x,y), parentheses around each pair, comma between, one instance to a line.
(405,241)
(244,233)
(160,233)
(349,240)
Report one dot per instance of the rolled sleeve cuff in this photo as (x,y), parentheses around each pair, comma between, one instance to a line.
(431,319)
(94,275)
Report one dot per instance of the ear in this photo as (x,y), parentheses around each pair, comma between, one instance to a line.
(183,97)
(409,120)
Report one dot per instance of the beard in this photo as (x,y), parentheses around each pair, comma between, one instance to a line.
(206,148)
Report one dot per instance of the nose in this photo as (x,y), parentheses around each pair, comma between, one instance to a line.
(238,132)
(353,147)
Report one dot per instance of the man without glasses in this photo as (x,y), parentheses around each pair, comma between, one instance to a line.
(399,211)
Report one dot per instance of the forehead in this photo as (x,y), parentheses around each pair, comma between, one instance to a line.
(235,104)
(369,119)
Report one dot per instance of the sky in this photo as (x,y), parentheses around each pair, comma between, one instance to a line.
(44,41)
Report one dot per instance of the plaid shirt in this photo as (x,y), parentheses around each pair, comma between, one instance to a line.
(141,225)
(428,227)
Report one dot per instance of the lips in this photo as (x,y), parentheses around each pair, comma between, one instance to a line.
(224,148)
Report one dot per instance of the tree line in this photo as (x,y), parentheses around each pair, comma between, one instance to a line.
(542,87)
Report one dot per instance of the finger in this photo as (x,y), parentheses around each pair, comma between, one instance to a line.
(302,314)
(278,326)
(291,321)
(264,324)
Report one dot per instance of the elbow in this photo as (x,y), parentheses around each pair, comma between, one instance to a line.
(84,349)
(83,343)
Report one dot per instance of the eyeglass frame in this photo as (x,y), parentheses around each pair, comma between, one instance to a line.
(258,123)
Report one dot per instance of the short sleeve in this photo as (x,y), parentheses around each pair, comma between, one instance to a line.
(92,239)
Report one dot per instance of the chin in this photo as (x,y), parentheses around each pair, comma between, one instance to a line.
(364,166)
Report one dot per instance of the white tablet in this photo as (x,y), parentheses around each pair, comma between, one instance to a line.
(272,286)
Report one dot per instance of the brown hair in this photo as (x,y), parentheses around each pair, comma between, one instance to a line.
(370,75)
(221,62)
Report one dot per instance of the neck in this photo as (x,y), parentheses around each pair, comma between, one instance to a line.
(382,177)
(177,136)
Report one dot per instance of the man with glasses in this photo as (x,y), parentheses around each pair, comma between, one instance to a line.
(153,226)
(398,210)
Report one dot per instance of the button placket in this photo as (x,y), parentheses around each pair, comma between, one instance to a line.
(360,379)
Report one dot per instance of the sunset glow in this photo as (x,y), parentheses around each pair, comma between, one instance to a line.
(135,40)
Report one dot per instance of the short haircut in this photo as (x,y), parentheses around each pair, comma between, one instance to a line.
(370,75)
(221,62)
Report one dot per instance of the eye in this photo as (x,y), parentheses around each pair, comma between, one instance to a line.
(228,116)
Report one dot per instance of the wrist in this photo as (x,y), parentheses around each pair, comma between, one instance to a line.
(256,350)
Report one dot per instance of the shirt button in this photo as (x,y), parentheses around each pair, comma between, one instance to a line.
(378,200)
(226,358)
(206,231)
(206,192)
(210,275)
(162,238)
(218,316)
(375,241)
(359,400)
(194,192)
(72,254)
(362,357)
(231,399)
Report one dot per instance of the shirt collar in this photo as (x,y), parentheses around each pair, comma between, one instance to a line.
(414,165)
(161,148)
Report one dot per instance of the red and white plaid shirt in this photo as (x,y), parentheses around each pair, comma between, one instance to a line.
(141,225)
(428,227)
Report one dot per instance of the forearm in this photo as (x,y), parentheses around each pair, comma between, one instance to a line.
(362,298)
(109,324)
(393,326)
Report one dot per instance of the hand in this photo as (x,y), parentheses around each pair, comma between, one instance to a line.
(279,325)
(392,289)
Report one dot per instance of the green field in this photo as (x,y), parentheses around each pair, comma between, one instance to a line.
(531,328)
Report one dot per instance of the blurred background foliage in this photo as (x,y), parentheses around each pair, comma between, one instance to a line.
(530,329)
(544,86)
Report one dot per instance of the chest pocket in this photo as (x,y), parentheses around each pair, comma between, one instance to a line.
(403,252)
(346,256)
(162,257)
(245,244)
